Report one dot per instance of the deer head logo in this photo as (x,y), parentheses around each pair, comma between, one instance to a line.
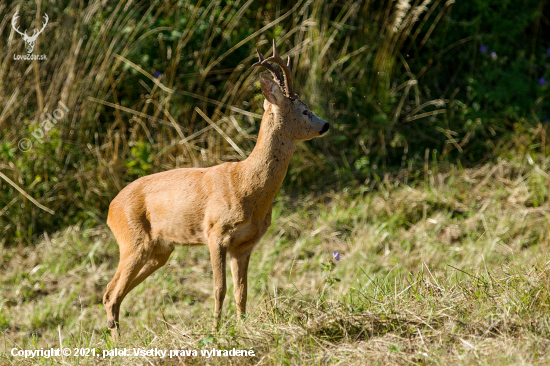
(29,40)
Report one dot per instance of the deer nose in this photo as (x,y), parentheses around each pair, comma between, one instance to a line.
(325,128)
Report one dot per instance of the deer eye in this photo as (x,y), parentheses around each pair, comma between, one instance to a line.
(306,112)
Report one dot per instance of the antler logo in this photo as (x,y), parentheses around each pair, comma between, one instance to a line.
(29,40)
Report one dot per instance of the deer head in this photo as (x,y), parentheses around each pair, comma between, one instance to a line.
(29,40)
(299,122)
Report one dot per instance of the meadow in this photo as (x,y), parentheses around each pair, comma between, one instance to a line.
(415,232)
(450,271)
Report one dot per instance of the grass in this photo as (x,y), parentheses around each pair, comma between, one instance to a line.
(451,270)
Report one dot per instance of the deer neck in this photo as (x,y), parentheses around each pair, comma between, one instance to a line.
(264,170)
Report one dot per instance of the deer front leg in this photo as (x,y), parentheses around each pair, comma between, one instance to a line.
(239,268)
(217,257)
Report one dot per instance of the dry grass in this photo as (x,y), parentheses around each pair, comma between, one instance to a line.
(446,272)
(123,122)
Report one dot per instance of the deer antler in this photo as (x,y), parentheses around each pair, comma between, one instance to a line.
(35,33)
(287,85)
(286,70)
(273,70)
(13,25)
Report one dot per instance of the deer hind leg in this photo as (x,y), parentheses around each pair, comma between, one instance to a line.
(158,258)
(218,258)
(133,258)
(239,269)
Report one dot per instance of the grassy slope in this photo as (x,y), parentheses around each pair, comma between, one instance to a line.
(454,270)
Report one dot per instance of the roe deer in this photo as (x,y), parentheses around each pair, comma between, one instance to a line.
(227,206)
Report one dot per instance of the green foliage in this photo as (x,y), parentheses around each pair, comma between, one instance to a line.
(140,162)
(402,85)
(492,57)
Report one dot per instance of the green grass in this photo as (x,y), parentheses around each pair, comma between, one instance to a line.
(452,270)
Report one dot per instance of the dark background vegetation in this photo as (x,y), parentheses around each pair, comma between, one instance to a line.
(403,84)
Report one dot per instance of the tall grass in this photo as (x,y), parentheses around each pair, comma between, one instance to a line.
(145,83)
(121,124)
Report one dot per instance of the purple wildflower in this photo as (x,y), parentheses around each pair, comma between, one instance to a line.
(483,48)
(542,81)
(157,73)
(493,54)
(336,256)
(545,119)
(548,51)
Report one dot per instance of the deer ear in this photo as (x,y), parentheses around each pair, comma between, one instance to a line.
(271,90)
